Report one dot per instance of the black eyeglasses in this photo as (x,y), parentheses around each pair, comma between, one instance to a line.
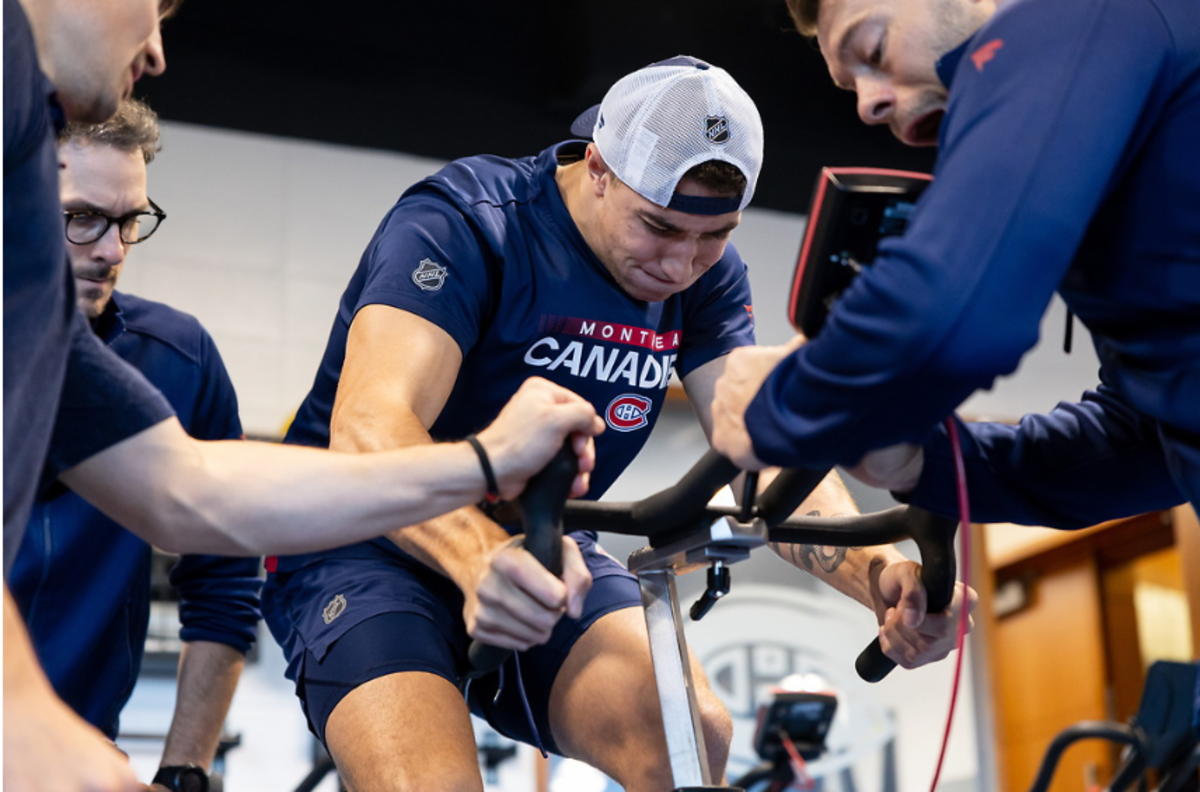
(84,228)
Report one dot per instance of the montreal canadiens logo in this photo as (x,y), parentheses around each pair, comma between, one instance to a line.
(628,412)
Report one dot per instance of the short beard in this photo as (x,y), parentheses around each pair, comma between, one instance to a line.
(93,308)
(94,110)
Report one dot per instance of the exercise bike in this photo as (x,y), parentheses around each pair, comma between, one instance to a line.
(686,533)
(1162,737)
(790,731)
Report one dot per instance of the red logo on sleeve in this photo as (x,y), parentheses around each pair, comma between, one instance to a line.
(985,53)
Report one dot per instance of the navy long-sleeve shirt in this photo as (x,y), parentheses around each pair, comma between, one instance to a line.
(82,582)
(1068,162)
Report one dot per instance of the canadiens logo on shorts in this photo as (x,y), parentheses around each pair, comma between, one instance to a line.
(429,275)
(628,412)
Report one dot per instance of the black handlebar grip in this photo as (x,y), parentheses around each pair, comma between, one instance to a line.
(687,500)
(485,658)
(541,510)
(787,492)
(542,505)
(934,536)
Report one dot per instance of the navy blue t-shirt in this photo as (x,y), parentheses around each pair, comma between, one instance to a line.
(37,306)
(1067,162)
(51,355)
(82,582)
(486,250)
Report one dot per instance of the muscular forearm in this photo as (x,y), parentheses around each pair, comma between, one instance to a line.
(455,544)
(208,676)
(246,498)
(854,571)
(829,499)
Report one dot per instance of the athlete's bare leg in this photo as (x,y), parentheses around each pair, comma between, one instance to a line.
(604,707)
(406,731)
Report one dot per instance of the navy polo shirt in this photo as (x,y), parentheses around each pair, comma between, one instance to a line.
(82,582)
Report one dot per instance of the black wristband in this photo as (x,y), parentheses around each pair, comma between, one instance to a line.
(182,778)
(489,475)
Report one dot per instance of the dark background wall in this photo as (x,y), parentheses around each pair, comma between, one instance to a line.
(448,79)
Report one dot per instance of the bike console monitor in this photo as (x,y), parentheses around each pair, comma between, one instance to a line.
(852,209)
(803,718)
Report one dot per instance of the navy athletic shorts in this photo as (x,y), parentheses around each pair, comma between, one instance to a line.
(343,622)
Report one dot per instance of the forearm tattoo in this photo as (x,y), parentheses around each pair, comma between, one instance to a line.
(827,557)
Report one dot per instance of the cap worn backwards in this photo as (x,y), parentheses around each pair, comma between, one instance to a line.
(659,122)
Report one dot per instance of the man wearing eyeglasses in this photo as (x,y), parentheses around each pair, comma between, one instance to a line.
(105,206)
(98,256)
(80,580)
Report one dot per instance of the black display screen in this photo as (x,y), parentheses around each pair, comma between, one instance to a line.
(851,211)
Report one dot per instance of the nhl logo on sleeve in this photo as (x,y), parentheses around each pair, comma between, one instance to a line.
(429,275)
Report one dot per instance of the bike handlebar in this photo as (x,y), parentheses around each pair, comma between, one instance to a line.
(685,501)
(934,537)
(684,507)
(1119,733)
(541,512)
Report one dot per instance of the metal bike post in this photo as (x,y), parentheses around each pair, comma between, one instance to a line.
(673,674)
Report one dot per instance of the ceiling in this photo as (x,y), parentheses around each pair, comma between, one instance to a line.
(450,79)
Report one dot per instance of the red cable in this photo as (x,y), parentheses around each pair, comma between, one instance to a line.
(964,515)
(799,767)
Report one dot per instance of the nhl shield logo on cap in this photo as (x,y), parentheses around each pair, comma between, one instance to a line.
(429,275)
(716,129)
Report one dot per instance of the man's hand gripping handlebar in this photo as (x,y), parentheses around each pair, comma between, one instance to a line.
(541,506)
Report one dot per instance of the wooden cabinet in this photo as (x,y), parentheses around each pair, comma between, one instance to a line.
(1072,621)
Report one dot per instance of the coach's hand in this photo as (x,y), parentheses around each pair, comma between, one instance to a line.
(530,430)
(48,747)
(745,370)
(516,601)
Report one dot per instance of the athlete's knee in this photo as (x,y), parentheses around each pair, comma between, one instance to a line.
(423,778)
(401,771)
(404,732)
(717,725)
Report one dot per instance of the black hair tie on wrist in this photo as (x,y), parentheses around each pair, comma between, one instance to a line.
(489,475)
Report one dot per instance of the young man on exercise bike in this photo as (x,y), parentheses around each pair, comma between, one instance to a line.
(601,266)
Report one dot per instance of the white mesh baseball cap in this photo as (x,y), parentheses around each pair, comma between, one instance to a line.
(656,124)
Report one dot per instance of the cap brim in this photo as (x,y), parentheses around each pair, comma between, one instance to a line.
(586,123)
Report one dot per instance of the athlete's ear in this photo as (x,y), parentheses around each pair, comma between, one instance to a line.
(597,169)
